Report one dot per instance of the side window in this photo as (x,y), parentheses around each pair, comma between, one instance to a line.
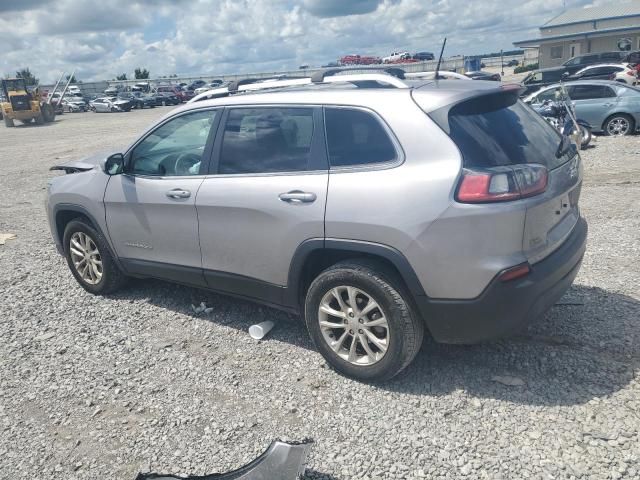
(356,137)
(175,148)
(546,95)
(556,52)
(589,92)
(266,140)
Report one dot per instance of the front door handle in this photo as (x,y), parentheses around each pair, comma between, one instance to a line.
(178,193)
(297,196)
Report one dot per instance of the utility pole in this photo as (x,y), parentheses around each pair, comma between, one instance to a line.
(501,62)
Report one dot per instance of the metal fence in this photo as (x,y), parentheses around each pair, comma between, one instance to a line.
(452,64)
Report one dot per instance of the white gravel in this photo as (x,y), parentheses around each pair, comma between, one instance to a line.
(94,387)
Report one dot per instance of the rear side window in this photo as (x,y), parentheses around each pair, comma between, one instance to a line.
(498,130)
(356,137)
(590,92)
(266,140)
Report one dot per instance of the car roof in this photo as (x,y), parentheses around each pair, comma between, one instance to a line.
(434,94)
(609,83)
(597,65)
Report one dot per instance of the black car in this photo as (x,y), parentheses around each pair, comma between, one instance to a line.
(138,99)
(513,63)
(578,63)
(422,56)
(167,98)
(196,84)
(632,57)
(541,78)
(480,75)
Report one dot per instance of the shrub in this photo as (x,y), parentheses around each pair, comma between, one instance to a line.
(528,68)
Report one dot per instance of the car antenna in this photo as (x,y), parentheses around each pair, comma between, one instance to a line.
(440,58)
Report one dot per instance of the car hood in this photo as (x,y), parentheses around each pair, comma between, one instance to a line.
(86,163)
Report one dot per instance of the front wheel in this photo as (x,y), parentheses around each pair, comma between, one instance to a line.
(618,125)
(361,320)
(90,259)
(585,136)
(9,122)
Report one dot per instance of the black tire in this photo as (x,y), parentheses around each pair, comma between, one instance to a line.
(405,328)
(619,116)
(40,119)
(9,122)
(112,277)
(585,133)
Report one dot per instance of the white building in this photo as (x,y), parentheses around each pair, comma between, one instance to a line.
(615,26)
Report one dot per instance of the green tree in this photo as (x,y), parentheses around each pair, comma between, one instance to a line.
(122,77)
(29,78)
(73,79)
(141,73)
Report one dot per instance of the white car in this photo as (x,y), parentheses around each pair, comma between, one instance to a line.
(104,104)
(620,72)
(395,56)
(73,90)
(73,104)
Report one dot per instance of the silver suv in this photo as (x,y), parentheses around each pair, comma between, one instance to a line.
(375,207)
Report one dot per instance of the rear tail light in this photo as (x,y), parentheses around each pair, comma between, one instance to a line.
(501,184)
(631,73)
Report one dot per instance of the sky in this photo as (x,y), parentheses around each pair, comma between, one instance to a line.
(102,39)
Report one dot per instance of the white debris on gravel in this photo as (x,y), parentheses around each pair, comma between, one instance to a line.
(7,236)
(103,387)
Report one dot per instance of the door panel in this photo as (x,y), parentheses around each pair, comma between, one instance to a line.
(146,224)
(246,229)
(267,196)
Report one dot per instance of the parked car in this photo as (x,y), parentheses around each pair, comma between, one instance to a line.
(354,59)
(541,78)
(111,91)
(513,63)
(331,65)
(73,105)
(138,99)
(423,56)
(122,103)
(629,76)
(105,104)
(609,107)
(480,75)
(396,57)
(177,91)
(196,84)
(488,250)
(632,58)
(578,63)
(604,72)
(167,98)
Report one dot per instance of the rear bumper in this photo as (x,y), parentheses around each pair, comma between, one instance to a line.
(506,307)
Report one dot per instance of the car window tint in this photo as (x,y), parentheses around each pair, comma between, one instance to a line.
(546,95)
(356,137)
(266,140)
(175,148)
(589,92)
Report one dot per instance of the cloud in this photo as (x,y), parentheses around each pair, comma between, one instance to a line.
(340,8)
(215,37)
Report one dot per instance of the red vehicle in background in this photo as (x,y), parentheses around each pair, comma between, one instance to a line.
(183,95)
(359,60)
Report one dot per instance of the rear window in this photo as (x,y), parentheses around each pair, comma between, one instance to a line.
(498,130)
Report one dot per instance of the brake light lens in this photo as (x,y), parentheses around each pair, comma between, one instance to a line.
(502,184)
(631,73)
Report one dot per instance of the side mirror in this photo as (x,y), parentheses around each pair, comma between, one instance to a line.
(565,75)
(114,164)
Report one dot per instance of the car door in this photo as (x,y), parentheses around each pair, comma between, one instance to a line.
(150,208)
(266,196)
(593,102)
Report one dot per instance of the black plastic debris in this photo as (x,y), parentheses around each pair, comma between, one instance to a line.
(281,461)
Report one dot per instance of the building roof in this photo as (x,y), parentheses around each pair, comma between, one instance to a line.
(535,42)
(611,10)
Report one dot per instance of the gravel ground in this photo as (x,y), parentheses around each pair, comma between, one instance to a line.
(94,387)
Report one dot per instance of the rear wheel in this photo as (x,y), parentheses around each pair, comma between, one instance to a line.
(361,320)
(618,125)
(40,119)
(48,113)
(90,259)
(9,122)
(585,136)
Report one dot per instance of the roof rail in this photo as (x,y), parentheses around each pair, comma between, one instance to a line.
(319,77)
(252,84)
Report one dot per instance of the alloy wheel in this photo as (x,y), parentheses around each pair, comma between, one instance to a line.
(86,258)
(354,325)
(618,126)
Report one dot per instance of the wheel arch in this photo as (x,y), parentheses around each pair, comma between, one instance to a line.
(624,114)
(66,212)
(315,255)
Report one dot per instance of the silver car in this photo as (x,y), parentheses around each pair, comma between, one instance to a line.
(375,213)
(609,107)
(104,104)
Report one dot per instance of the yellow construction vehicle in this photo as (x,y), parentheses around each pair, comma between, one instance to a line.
(19,103)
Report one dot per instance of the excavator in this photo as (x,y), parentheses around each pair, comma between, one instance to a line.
(27,105)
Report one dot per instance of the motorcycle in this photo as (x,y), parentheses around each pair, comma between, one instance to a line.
(561,115)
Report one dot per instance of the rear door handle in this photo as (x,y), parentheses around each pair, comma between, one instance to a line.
(296,196)
(178,193)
